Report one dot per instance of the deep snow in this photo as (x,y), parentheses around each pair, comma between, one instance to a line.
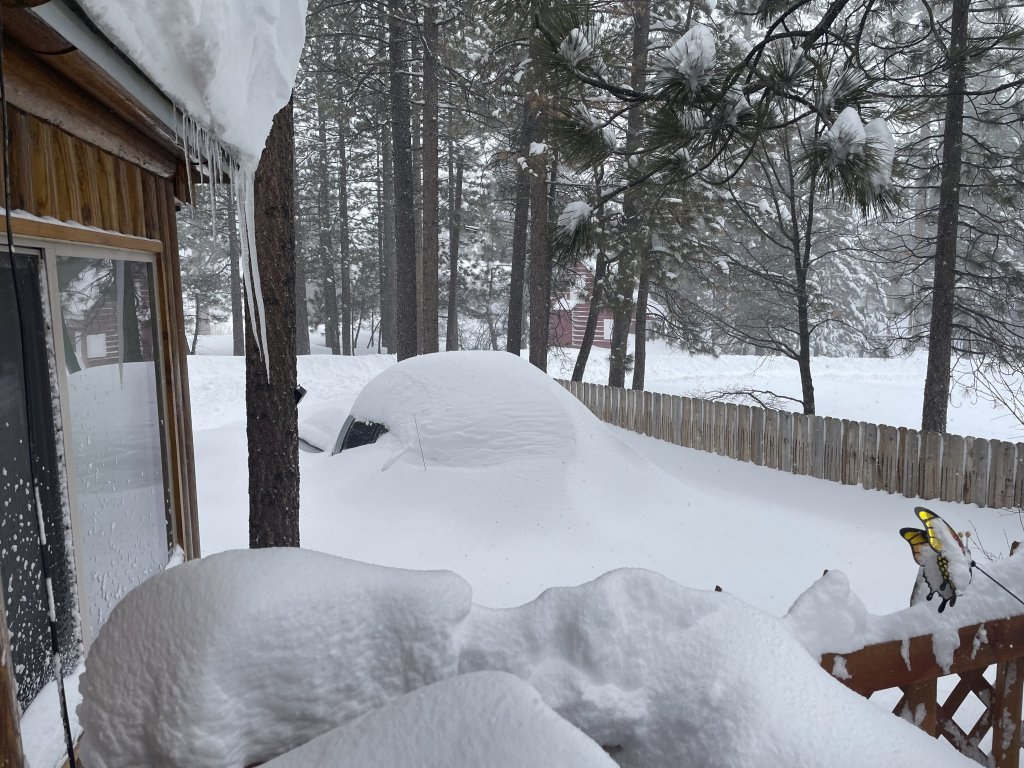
(697,518)
(285,644)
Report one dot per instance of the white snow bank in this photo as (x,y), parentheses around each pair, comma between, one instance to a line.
(828,617)
(676,676)
(236,658)
(42,730)
(229,64)
(245,655)
(472,409)
(483,720)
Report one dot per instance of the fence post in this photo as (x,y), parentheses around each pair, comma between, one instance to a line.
(743,447)
(1006,713)
(1018,481)
(931,456)
(869,455)
(952,468)
(697,424)
(786,440)
(921,707)
(1000,474)
(832,450)
(721,416)
(731,430)
(888,460)
(757,415)
(686,421)
(656,414)
(912,465)
(771,439)
(799,443)
(708,428)
(976,472)
(851,452)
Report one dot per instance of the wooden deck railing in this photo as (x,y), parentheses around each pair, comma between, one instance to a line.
(923,465)
(914,670)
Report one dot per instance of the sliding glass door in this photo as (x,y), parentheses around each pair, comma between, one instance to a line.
(116,445)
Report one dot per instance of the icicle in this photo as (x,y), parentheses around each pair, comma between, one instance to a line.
(197,140)
(247,216)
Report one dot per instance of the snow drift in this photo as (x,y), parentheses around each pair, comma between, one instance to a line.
(235,658)
(242,656)
(482,720)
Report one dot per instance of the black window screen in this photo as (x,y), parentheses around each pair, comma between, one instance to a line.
(21,451)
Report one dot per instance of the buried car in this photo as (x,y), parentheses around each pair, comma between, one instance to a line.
(455,408)
(478,462)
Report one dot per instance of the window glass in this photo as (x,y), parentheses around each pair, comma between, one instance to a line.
(117,462)
(28,451)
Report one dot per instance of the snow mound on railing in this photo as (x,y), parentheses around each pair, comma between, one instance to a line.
(243,656)
(830,618)
(235,658)
(482,720)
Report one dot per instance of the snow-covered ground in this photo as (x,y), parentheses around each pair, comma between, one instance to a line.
(585,558)
(700,519)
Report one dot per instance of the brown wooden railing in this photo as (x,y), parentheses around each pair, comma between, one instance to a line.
(924,465)
(914,671)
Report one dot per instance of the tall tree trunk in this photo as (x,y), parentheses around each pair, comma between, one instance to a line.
(328,284)
(346,267)
(431,188)
(271,413)
(234,257)
(635,238)
(195,325)
(389,291)
(301,308)
(940,337)
(405,232)
(596,296)
(520,237)
(643,289)
(454,232)
(301,300)
(540,257)
(803,265)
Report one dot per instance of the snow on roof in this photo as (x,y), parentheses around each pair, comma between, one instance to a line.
(229,64)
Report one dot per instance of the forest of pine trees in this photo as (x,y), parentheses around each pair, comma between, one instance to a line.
(796,179)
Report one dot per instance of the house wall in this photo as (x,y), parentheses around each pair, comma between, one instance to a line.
(57,175)
(78,154)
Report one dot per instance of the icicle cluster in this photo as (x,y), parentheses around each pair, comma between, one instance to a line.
(690,59)
(215,160)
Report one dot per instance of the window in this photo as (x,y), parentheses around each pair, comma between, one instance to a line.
(116,441)
(28,448)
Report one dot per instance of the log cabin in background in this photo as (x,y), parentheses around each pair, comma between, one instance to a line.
(95,406)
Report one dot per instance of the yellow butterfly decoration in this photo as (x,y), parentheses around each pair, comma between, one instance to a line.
(944,559)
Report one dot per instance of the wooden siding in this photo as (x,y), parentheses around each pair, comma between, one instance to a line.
(57,175)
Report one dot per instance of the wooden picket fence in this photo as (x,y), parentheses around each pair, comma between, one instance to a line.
(923,465)
(911,667)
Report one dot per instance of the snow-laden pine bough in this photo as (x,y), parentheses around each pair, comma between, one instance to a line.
(945,558)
